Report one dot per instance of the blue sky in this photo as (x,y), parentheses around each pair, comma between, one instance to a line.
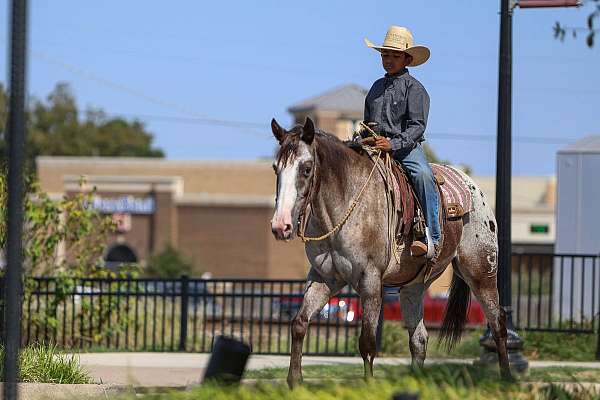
(248,61)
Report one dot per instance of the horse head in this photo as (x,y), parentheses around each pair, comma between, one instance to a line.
(295,168)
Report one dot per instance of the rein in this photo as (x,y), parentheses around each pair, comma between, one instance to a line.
(306,212)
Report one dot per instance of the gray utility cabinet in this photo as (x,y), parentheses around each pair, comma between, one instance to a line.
(576,280)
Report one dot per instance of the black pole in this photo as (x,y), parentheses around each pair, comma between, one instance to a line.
(16,150)
(503,195)
(504,160)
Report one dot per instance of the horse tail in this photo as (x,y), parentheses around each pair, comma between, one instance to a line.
(455,316)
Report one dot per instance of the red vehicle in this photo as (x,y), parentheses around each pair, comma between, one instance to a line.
(348,309)
(434,307)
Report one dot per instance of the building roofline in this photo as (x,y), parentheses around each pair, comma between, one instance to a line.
(66,160)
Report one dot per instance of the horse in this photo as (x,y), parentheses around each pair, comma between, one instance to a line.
(315,168)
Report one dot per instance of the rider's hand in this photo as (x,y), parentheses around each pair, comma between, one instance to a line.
(379,143)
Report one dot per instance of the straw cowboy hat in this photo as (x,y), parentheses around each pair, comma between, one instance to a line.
(399,38)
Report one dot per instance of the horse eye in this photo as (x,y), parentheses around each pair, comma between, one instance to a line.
(274,168)
(307,171)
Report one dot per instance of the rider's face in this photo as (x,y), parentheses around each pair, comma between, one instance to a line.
(394,61)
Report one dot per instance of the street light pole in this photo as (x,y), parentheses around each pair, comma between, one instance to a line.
(16,155)
(503,181)
(503,198)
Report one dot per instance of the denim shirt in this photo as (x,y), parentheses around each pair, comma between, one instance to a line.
(400,105)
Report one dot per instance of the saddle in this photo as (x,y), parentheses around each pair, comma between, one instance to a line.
(455,199)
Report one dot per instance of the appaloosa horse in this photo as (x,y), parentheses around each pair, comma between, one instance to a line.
(316,168)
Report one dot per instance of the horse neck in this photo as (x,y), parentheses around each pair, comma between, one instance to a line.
(340,174)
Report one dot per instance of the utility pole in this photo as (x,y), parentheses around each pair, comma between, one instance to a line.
(16,153)
(503,183)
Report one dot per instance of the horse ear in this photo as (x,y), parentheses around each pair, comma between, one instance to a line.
(308,131)
(278,131)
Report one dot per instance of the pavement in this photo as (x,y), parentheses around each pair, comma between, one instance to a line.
(185,369)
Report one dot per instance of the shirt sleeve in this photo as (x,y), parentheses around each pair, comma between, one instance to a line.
(367,112)
(416,120)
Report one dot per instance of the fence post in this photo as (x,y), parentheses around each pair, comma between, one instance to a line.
(184,312)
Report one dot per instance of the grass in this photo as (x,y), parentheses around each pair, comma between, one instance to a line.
(45,364)
(538,345)
(345,382)
(355,371)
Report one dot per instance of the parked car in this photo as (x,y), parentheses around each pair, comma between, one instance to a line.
(348,308)
(198,295)
(344,309)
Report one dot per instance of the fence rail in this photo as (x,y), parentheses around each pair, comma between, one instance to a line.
(553,293)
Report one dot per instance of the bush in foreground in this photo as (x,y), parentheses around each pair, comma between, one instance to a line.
(44,364)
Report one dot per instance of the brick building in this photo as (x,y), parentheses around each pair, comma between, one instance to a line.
(217,213)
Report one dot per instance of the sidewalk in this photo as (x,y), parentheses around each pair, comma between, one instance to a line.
(182,369)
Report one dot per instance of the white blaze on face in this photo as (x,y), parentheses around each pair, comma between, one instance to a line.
(287,194)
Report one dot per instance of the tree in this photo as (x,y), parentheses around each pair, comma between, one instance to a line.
(560,31)
(56,128)
(433,158)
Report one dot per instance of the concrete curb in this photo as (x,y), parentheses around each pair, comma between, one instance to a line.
(44,391)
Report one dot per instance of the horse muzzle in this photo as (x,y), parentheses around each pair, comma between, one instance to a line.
(282,230)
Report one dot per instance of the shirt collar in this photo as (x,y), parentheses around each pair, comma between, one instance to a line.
(398,75)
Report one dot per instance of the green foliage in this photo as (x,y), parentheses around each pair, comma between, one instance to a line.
(59,236)
(66,239)
(169,263)
(56,128)
(559,346)
(45,364)
(453,381)
(560,31)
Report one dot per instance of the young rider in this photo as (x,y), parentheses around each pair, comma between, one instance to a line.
(397,107)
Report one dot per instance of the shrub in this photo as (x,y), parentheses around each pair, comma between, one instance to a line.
(169,264)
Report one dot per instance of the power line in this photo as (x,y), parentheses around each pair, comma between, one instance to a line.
(254,128)
(257,125)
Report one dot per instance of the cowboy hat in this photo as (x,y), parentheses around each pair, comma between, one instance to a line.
(400,39)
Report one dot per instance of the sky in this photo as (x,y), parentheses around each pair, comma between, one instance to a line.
(207,77)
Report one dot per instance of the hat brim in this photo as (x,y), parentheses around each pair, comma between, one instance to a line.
(419,54)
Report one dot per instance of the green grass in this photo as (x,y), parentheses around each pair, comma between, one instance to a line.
(559,346)
(45,364)
(538,345)
(345,382)
(355,371)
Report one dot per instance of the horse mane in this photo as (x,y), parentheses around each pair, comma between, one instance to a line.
(330,150)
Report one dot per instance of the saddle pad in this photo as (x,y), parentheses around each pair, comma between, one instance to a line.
(455,189)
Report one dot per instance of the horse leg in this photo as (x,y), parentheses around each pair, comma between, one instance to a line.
(485,289)
(411,301)
(370,296)
(316,296)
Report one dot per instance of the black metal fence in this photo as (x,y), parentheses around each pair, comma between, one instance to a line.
(181,315)
(554,293)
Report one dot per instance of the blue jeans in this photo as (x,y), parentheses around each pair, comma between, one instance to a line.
(416,165)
